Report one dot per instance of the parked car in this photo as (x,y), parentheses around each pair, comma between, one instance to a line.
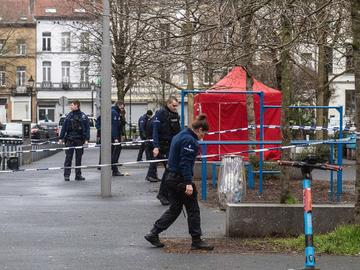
(38,132)
(14,130)
(51,127)
(92,123)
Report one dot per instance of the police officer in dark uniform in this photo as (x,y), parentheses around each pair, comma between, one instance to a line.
(117,132)
(142,131)
(74,132)
(182,191)
(166,125)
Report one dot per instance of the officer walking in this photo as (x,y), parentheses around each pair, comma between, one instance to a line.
(142,131)
(117,132)
(166,125)
(182,191)
(74,132)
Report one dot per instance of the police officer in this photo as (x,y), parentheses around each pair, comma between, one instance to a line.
(142,131)
(74,132)
(182,191)
(166,125)
(117,132)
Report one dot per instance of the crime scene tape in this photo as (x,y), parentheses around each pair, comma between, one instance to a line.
(294,127)
(163,160)
(278,148)
(83,166)
(87,146)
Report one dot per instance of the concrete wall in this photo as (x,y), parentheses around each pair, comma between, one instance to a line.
(258,220)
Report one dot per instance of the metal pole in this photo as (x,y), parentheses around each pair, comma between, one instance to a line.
(31,104)
(130,113)
(92,102)
(106,103)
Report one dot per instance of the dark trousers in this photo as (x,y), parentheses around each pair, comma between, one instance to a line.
(164,154)
(177,199)
(141,151)
(115,154)
(152,171)
(69,156)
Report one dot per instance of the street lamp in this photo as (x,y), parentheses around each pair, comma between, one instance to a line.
(92,87)
(31,83)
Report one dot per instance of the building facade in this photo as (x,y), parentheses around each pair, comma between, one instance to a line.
(64,69)
(17,61)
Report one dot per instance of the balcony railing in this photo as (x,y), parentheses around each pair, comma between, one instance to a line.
(62,85)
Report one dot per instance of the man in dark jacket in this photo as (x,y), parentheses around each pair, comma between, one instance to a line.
(166,125)
(74,132)
(117,117)
(182,191)
(142,131)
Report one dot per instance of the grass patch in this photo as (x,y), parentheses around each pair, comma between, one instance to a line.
(344,240)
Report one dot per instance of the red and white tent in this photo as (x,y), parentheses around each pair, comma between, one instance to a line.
(228,111)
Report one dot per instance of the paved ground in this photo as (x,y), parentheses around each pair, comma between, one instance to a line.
(46,223)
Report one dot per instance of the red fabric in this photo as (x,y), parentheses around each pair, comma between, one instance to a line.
(228,111)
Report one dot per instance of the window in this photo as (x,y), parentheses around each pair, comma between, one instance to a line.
(50,10)
(349,56)
(329,59)
(84,71)
(20,47)
(2,76)
(46,113)
(349,102)
(65,71)
(46,41)
(46,71)
(208,76)
(84,42)
(306,59)
(65,41)
(184,77)
(164,35)
(20,76)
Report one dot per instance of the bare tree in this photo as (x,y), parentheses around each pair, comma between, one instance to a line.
(355,16)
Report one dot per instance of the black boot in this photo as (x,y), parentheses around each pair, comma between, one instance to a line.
(153,238)
(200,244)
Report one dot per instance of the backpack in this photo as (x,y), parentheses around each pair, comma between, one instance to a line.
(75,123)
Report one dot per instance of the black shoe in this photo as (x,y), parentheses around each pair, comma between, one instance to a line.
(201,244)
(139,160)
(67,178)
(154,240)
(152,179)
(117,174)
(163,200)
(79,178)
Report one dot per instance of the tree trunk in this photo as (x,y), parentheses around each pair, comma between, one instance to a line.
(321,81)
(250,113)
(322,91)
(286,94)
(355,16)
(188,63)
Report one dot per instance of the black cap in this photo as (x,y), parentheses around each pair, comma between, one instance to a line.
(149,112)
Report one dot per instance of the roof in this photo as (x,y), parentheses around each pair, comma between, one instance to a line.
(15,11)
(51,9)
(235,80)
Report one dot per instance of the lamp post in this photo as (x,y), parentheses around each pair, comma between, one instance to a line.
(31,83)
(130,114)
(92,87)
